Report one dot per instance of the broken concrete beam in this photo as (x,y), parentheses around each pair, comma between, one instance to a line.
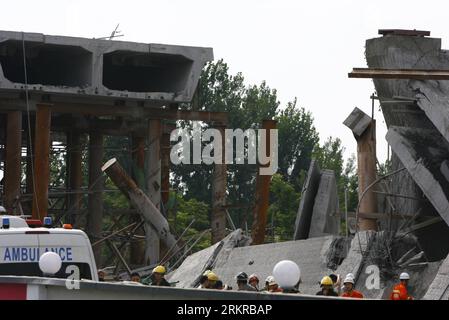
(305,210)
(353,262)
(310,255)
(422,152)
(358,121)
(188,273)
(152,216)
(439,288)
(432,99)
(326,212)
(101,68)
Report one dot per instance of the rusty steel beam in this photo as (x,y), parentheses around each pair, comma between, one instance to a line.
(153,185)
(151,215)
(219,184)
(367,174)
(165,162)
(41,161)
(96,186)
(262,195)
(137,248)
(13,159)
(74,176)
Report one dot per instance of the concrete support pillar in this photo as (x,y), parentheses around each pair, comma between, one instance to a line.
(41,161)
(74,176)
(219,180)
(262,195)
(153,186)
(165,163)
(96,188)
(29,183)
(364,129)
(367,174)
(137,248)
(12,174)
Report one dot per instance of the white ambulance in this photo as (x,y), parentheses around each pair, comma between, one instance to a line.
(23,242)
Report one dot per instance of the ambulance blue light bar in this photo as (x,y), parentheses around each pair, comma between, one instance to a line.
(5,223)
(48,221)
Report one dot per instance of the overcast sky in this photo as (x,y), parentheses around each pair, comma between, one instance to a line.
(304,49)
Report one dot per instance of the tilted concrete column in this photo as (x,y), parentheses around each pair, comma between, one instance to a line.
(41,161)
(219,181)
(13,160)
(96,188)
(153,186)
(364,130)
(74,176)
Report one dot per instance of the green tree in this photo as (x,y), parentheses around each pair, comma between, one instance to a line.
(283,208)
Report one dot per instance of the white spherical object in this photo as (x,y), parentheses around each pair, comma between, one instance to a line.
(287,274)
(50,263)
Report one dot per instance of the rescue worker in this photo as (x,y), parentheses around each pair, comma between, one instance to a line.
(212,279)
(242,282)
(253,281)
(348,288)
(400,291)
(135,277)
(336,280)
(327,288)
(272,285)
(101,275)
(158,277)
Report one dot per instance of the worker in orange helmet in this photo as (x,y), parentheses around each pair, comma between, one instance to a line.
(348,288)
(400,291)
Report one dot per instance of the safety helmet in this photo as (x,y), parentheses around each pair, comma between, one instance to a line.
(348,279)
(206,272)
(159,269)
(269,278)
(242,276)
(272,281)
(404,276)
(253,277)
(2,209)
(326,281)
(212,276)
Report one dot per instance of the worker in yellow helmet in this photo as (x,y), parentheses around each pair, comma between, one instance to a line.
(158,277)
(327,288)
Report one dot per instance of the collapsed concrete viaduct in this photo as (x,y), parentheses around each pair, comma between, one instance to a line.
(55,88)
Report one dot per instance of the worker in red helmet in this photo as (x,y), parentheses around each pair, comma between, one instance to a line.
(400,291)
(253,281)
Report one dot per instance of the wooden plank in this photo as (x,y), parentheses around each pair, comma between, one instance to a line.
(402,32)
(415,74)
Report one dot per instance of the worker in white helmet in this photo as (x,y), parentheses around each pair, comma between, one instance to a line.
(400,291)
(348,288)
(2,210)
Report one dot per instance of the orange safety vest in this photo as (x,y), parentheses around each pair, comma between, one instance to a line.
(400,293)
(353,294)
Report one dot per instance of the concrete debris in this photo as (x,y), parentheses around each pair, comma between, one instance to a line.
(105,68)
(188,273)
(358,121)
(305,210)
(326,211)
(439,288)
(354,260)
(423,152)
(318,212)
(310,255)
